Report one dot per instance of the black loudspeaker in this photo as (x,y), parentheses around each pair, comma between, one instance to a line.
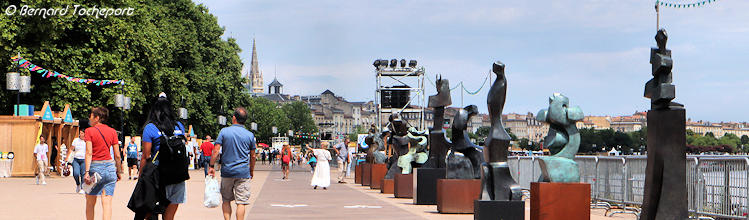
(395,98)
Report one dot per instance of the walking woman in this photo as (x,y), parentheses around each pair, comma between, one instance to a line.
(100,166)
(161,118)
(285,160)
(321,176)
(78,153)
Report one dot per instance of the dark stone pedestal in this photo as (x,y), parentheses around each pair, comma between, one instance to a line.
(378,173)
(366,177)
(357,174)
(498,210)
(457,195)
(404,186)
(387,186)
(425,185)
(665,192)
(560,201)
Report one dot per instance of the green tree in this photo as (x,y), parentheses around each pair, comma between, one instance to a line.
(744,139)
(705,141)
(300,119)
(483,132)
(513,137)
(170,46)
(353,137)
(730,140)
(588,138)
(524,144)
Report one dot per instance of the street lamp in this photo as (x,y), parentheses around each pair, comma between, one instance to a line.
(291,133)
(274,129)
(183,113)
(15,82)
(253,126)
(221,120)
(122,102)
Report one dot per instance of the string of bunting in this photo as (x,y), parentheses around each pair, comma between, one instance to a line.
(23,63)
(460,85)
(687,5)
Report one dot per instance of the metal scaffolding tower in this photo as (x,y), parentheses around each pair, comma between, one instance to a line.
(398,82)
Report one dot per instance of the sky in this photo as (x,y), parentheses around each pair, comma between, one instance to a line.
(596,52)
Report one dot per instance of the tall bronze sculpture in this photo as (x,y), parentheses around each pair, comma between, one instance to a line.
(425,178)
(465,159)
(500,195)
(665,195)
(438,142)
(561,167)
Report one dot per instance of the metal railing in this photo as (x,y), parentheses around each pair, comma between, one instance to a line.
(717,186)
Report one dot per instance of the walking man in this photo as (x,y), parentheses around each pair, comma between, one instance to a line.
(132,159)
(342,150)
(40,152)
(207,149)
(237,163)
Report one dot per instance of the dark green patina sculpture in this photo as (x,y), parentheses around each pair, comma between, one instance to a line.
(417,154)
(561,117)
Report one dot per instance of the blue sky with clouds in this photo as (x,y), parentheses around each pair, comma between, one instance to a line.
(596,52)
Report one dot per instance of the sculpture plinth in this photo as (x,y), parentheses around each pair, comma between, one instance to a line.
(404,186)
(665,195)
(502,210)
(551,201)
(377,175)
(456,196)
(425,185)
(366,174)
(358,174)
(388,186)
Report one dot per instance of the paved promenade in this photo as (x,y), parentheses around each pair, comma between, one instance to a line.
(272,198)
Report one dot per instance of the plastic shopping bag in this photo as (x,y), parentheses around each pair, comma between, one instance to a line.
(212,196)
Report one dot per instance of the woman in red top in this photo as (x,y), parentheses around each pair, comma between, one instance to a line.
(285,160)
(99,139)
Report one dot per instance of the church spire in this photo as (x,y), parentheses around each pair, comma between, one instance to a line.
(255,75)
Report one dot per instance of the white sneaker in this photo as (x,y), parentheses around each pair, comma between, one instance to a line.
(44,183)
(77,188)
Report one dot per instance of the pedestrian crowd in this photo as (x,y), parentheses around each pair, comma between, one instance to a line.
(160,164)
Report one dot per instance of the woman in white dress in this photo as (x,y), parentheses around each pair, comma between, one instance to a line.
(321,176)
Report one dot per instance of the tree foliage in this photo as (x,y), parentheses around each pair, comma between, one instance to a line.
(170,46)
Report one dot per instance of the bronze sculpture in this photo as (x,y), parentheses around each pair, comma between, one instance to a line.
(496,181)
(399,143)
(665,191)
(376,145)
(465,159)
(438,142)
(416,155)
(561,167)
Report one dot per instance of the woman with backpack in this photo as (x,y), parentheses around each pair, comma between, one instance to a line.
(102,171)
(285,160)
(162,121)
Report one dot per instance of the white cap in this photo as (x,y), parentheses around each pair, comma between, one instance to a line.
(162,95)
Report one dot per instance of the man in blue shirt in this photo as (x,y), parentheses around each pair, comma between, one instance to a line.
(132,159)
(237,146)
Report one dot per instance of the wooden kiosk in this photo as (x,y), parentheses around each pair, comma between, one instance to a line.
(20,134)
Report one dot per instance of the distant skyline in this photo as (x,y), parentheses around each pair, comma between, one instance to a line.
(594,52)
